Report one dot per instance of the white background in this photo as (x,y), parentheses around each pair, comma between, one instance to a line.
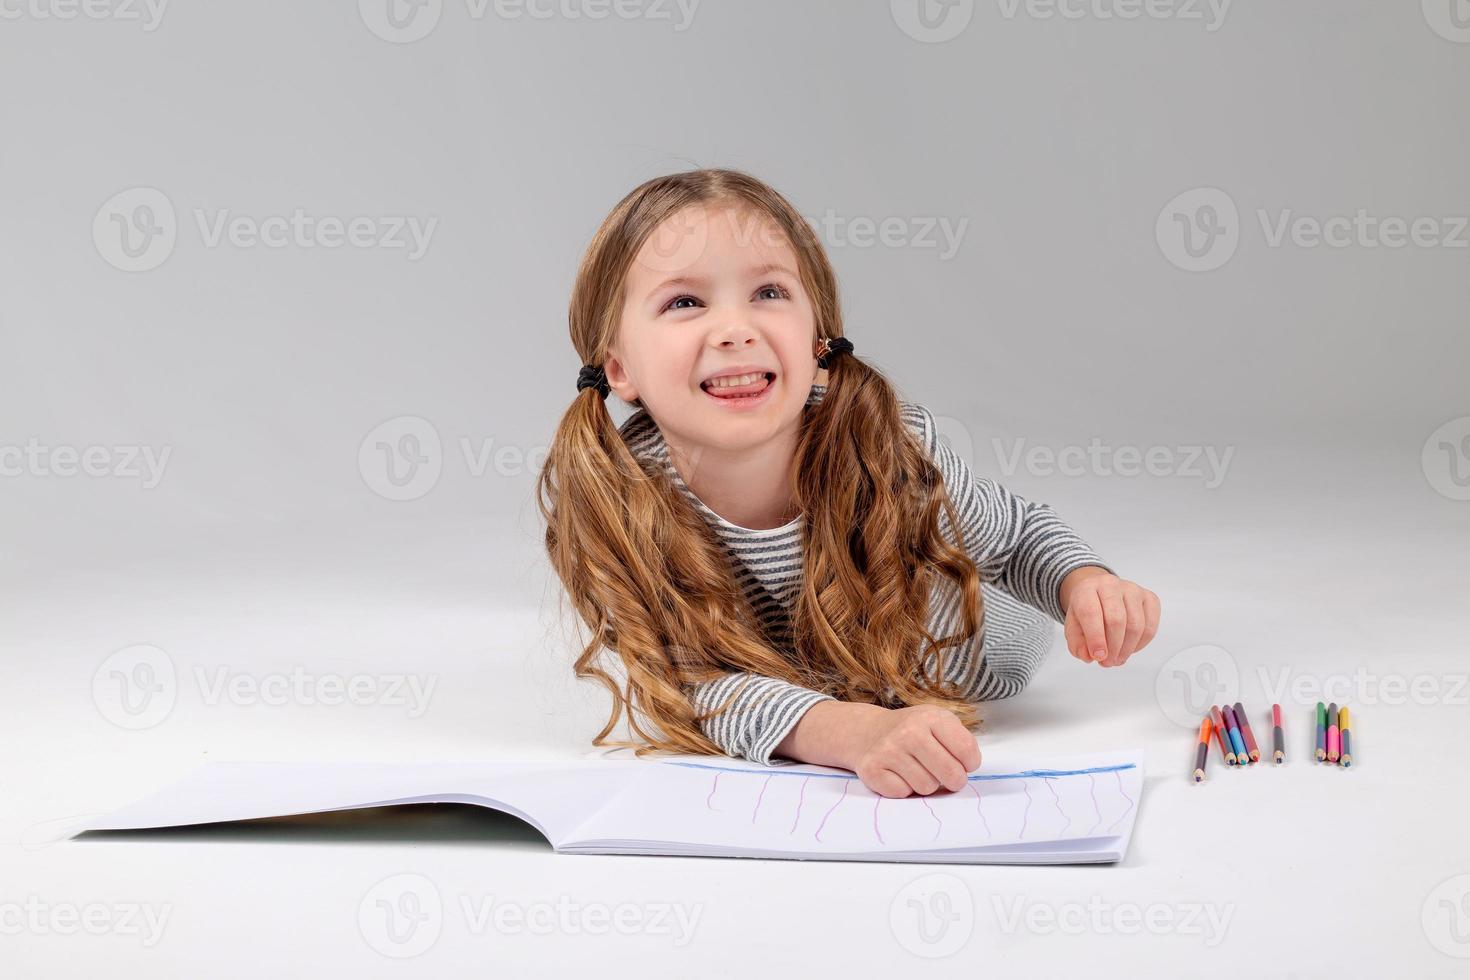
(1330,546)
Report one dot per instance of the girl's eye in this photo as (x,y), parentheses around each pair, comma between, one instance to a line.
(782,293)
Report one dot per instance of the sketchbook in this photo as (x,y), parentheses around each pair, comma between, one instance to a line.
(1073,810)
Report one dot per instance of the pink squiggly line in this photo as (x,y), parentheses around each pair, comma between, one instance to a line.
(979,811)
(845,784)
(1126,797)
(934,815)
(799,799)
(760,797)
(1057,802)
(1026,813)
(876,831)
(1092,788)
(714,786)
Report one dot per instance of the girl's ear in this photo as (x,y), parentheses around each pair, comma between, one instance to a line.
(617,378)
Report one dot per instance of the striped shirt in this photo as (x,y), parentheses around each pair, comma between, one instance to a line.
(1021,549)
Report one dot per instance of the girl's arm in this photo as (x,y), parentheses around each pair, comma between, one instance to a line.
(763,712)
(1026,549)
(1023,547)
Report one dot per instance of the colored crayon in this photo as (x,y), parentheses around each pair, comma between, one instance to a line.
(1241,756)
(1278,740)
(1218,721)
(1246,733)
(1203,751)
(1321,731)
(1346,759)
(1333,733)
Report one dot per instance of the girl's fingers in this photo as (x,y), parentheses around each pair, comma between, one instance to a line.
(1076,642)
(1133,600)
(920,779)
(1115,617)
(886,782)
(939,762)
(1090,619)
(958,741)
(1150,617)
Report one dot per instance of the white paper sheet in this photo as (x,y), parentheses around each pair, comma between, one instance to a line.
(700,802)
(1072,809)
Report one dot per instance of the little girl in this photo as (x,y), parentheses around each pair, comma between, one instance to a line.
(769,542)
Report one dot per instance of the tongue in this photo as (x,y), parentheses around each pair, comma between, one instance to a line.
(744,390)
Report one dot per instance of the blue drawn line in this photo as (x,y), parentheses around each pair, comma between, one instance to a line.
(1027,774)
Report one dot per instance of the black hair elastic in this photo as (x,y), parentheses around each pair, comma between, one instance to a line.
(829,349)
(593,376)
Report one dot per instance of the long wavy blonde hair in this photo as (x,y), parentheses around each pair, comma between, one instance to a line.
(647,575)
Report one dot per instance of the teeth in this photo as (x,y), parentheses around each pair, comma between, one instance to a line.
(735,380)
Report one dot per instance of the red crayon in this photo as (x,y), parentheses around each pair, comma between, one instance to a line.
(1219,725)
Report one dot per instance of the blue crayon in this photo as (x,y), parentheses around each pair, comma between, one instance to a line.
(1242,757)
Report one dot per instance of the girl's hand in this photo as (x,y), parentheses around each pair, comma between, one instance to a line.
(901,751)
(1108,618)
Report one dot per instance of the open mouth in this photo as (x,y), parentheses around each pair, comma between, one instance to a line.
(739,388)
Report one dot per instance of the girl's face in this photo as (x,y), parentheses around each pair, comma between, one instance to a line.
(715,292)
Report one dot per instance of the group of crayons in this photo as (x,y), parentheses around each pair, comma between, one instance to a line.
(1238,742)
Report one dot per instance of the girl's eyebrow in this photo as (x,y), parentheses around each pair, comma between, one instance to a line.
(751,273)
